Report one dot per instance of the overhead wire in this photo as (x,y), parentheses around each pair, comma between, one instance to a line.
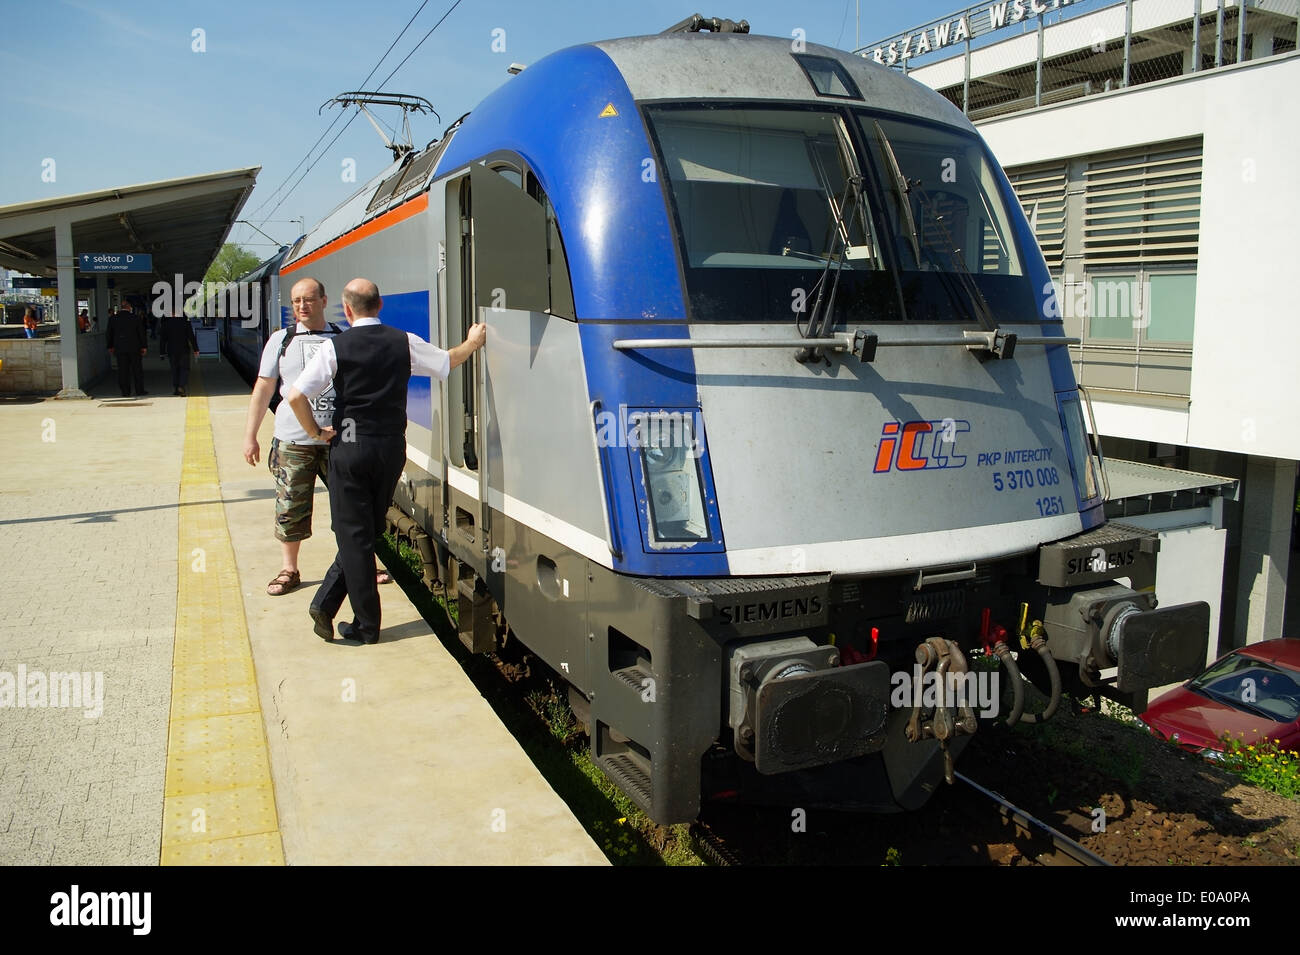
(374,69)
(449,12)
(356,114)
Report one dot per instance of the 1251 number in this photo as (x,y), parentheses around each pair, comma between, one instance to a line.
(1049,506)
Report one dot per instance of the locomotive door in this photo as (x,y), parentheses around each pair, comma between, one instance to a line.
(500,268)
(464,491)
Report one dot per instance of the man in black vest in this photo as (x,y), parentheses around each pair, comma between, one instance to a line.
(370,365)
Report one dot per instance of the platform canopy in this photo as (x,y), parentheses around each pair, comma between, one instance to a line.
(182,223)
(179,223)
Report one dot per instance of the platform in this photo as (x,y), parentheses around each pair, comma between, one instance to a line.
(140,544)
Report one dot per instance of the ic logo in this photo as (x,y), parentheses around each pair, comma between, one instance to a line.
(920,445)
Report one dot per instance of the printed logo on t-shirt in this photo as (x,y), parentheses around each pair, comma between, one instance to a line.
(323,406)
(299,352)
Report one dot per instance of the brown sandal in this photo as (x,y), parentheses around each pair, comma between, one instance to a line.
(285,581)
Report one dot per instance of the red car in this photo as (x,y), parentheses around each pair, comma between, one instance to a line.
(1254,692)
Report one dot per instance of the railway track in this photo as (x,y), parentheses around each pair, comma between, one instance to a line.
(1063,851)
(989,816)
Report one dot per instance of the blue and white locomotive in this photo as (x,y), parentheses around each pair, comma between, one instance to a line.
(773,408)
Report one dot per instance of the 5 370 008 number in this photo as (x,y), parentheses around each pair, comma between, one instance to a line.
(1019,478)
(1049,506)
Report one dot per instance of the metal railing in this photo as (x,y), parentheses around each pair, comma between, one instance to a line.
(1081,48)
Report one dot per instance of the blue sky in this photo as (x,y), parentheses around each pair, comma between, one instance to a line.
(115,93)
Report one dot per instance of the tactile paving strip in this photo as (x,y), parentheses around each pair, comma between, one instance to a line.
(219,804)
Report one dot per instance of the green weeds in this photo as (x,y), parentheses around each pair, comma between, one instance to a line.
(1264,764)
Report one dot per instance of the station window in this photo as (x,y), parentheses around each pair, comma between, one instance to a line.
(1114,300)
(1147,307)
(1171,307)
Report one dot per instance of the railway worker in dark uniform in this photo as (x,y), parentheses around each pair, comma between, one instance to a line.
(370,365)
(296,459)
(127,341)
(176,341)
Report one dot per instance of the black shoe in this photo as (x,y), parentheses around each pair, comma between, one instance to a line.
(142,393)
(348,631)
(324,623)
(181,392)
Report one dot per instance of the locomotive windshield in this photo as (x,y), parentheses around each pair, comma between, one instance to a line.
(765,197)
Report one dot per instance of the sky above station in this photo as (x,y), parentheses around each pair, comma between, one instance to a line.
(107,94)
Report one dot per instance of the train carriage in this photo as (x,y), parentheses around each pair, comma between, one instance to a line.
(251,315)
(774,408)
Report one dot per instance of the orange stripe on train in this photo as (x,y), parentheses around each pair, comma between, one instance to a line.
(365,230)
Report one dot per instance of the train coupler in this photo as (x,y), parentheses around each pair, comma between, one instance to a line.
(947,661)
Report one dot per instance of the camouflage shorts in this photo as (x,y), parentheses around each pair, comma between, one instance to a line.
(295,467)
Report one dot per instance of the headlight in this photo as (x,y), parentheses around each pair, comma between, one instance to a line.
(670,460)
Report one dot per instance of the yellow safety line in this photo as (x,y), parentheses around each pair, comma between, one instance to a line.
(219,803)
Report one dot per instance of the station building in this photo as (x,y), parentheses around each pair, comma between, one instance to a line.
(1152,144)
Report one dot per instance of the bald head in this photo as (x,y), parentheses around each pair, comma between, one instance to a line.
(361,296)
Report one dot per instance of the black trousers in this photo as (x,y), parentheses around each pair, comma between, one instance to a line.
(130,369)
(363,476)
(180,371)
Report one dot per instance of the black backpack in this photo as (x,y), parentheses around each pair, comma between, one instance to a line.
(276,397)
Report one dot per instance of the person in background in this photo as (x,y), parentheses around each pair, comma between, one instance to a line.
(30,322)
(127,342)
(83,321)
(176,341)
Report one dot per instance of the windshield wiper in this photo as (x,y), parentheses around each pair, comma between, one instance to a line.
(819,322)
(1233,701)
(979,305)
(902,189)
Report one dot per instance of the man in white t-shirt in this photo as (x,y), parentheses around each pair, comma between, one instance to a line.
(295,459)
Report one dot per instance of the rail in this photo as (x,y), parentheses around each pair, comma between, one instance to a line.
(1064,845)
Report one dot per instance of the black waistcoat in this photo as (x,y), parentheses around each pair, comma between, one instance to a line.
(374,366)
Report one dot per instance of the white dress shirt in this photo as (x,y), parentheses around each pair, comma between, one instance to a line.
(319,373)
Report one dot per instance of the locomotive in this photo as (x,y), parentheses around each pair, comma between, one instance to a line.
(775,406)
